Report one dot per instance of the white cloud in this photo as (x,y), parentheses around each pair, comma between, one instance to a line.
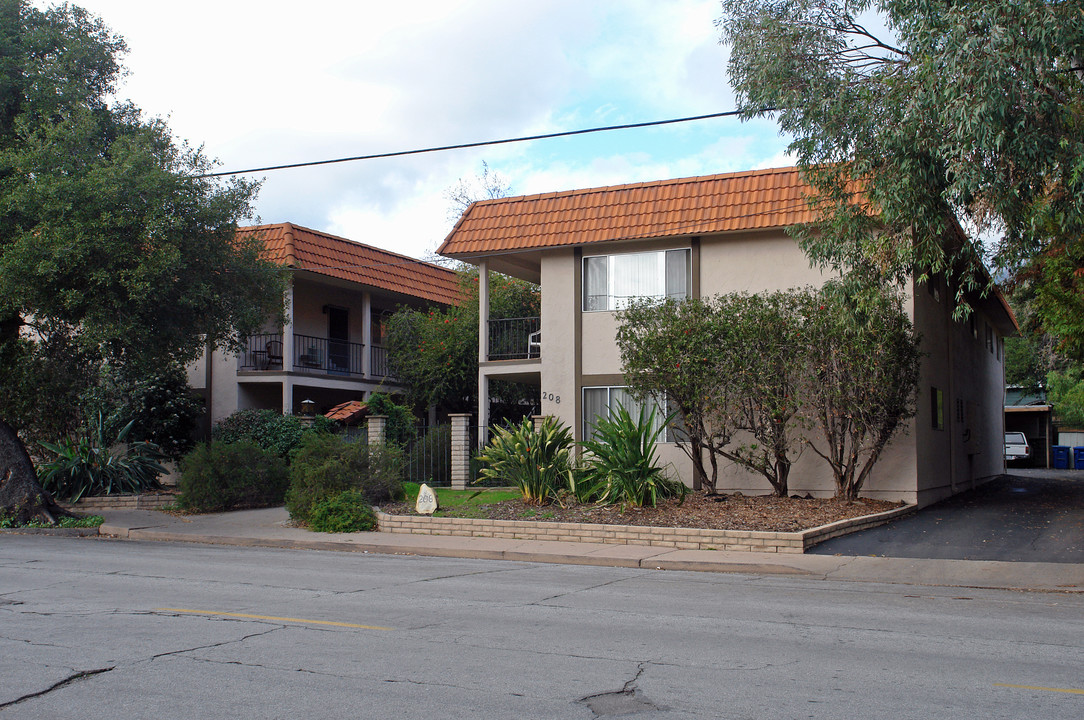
(275,82)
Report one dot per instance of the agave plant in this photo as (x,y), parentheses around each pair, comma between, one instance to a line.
(538,462)
(621,460)
(92,465)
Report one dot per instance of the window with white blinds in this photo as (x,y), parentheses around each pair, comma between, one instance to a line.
(611,281)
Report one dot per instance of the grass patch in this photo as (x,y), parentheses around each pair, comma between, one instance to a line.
(463,501)
(91,521)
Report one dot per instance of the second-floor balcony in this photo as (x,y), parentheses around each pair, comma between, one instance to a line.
(307,354)
(515,338)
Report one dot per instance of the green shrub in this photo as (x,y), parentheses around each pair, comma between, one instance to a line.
(538,463)
(348,511)
(97,464)
(326,465)
(273,431)
(621,462)
(223,476)
(401,424)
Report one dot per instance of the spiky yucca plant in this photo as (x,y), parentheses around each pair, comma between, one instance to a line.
(621,460)
(539,463)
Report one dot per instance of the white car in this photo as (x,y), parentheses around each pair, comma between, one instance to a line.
(1016,446)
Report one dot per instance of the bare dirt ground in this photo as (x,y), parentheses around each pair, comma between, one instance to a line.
(719,512)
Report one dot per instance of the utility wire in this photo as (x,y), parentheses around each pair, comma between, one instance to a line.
(482,143)
(438,261)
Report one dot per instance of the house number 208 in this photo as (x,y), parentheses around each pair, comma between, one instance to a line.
(551,397)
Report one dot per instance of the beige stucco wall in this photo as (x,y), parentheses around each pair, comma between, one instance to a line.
(559,306)
(921,465)
(754,262)
(969,449)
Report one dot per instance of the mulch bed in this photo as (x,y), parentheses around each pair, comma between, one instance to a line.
(718,512)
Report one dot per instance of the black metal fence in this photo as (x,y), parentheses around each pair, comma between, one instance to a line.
(515,338)
(427,458)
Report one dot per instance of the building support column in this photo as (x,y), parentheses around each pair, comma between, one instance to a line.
(366,335)
(483,353)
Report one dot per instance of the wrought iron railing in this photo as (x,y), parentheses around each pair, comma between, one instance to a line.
(378,362)
(322,355)
(309,354)
(515,338)
(262,352)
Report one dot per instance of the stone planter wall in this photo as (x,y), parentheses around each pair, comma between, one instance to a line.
(147,501)
(680,538)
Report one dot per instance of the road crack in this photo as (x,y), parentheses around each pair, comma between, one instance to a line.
(58,685)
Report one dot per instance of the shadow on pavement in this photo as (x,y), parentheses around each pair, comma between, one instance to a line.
(1028,516)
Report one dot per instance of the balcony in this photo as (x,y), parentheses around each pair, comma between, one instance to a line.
(313,356)
(515,338)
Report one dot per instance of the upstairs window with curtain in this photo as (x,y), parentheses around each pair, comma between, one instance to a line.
(610,282)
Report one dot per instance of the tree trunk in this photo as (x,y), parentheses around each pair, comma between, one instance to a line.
(20,494)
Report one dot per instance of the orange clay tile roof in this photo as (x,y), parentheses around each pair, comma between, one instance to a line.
(753,200)
(348,412)
(318,252)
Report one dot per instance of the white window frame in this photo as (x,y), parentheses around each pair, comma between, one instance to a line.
(586,424)
(612,300)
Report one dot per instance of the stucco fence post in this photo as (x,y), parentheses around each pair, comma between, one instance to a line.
(376,429)
(460,450)
(538,420)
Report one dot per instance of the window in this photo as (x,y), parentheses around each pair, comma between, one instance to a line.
(599,401)
(611,281)
(937,408)
(989,337)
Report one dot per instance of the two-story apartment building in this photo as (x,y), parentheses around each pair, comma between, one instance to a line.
(593,249)
(331,348)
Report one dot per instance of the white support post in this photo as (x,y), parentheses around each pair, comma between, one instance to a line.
(483,408)
(483,312)
(288,337)
(366,334)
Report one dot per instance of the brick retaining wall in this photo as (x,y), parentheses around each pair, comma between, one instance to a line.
(147,501)
(679,538)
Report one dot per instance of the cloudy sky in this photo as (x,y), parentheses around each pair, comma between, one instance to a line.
(267,83)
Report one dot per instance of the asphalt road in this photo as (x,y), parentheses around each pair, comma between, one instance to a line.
(95,628)
(1029,516)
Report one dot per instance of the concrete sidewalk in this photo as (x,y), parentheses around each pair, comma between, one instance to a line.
(269,528)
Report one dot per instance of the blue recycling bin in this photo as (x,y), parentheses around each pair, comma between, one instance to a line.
(1078,458)
(1061,457)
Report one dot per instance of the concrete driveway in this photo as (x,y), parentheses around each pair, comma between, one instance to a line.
(1028,516)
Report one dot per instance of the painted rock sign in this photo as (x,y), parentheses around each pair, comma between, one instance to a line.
(427,500)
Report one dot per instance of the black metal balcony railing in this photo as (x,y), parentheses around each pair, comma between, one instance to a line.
(334,357)
(515,338)
(378,362)
(262,352)
(308,355)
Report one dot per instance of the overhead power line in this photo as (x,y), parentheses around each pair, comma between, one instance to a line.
(482,143)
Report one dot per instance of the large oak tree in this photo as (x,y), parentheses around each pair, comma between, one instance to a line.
(108,232)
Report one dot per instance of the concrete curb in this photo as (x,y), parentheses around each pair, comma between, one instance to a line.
(269,529)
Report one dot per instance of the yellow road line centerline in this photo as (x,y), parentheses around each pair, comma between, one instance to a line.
(1071,691)
(272,618)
